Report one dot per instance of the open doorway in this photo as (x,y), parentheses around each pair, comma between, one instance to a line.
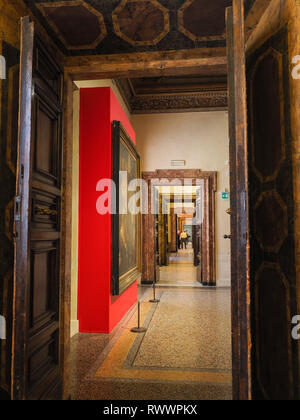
(177,237)
(184,234)
(188,200)
(175,228)
(149,266)
(67,228)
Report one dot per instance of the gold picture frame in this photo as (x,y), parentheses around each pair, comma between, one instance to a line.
(126,227)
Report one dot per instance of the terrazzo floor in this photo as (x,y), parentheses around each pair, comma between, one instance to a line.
(185,353)
(180,271)
(194,327)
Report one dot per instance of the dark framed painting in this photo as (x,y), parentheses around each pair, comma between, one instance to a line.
(126,224)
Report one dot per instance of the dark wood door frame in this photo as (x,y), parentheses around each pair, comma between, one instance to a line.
(165,177)
(22,215)
(173,227)
(240,247)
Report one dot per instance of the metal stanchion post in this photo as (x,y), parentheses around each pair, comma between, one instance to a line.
(154,300)
(139,329)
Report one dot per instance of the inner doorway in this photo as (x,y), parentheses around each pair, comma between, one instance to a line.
(194,306)
(178,236)
(183,220)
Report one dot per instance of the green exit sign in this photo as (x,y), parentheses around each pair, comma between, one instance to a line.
(225,196)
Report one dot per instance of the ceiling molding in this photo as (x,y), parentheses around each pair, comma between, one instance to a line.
(201,99)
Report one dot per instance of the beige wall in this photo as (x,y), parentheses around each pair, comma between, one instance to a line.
(75,201)
(201,139)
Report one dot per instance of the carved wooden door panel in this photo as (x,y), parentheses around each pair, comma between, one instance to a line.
(273,264)
(241,340)
(36,333)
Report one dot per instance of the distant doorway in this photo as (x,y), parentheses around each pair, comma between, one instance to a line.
(181,270)
(183,223)
(178,256)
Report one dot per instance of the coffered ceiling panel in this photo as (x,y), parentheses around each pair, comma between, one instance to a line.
(77,24)
(202,20)
(141,22)
(85,27)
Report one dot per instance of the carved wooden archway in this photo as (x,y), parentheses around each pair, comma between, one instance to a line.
(165,177)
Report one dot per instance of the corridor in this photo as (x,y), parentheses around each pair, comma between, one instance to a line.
(184,354)
(181,270)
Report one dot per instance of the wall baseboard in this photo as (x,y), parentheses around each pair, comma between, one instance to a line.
(74,327)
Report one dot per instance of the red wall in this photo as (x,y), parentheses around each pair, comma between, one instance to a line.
(98,311)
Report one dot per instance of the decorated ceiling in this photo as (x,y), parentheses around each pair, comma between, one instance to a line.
(175,94)
(84,27)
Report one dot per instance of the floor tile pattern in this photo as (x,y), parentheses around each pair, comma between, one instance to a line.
(196,365)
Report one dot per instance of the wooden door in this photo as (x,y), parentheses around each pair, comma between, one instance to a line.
(272,221)
(173,228)
(241,339)
(36,332)
(166,241)
(198,249)
(195,243)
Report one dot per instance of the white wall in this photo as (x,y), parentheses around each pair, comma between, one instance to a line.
(201,139)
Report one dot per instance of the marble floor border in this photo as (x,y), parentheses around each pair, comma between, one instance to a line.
(115,335)
(119,330)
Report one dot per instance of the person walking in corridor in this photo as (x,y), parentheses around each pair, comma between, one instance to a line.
(184,239)
(178,239)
